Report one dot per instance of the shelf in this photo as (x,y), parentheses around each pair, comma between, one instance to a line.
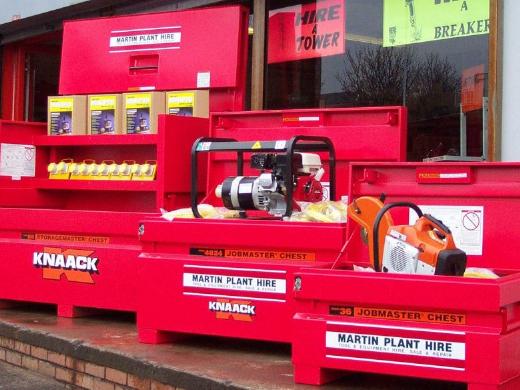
(169,148)
(85,140)
(94,185)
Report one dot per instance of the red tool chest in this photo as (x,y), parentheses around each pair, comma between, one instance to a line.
(194,49)
(439,327)
(221,278)
(72,259)
(229,277)
(75,242)
(50,228)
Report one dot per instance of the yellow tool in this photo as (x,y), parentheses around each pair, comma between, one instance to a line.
(83,170)
(123,170)
(60,170)
(146,171)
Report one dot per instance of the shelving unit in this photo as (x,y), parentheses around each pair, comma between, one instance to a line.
(102,217)
(170,147)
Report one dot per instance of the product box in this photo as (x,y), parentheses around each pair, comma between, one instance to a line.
(140,111)
(67,115)
(105,114)
(188,103)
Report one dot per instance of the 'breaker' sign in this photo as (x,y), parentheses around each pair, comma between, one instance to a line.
(306,31)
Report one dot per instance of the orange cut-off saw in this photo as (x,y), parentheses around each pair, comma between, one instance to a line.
(426,248)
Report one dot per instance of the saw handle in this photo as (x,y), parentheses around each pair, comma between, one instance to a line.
(377,221)
(430,223)
(437,223)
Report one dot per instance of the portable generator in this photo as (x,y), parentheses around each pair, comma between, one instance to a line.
(288,172)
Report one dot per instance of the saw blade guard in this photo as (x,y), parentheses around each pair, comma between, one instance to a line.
(363,211)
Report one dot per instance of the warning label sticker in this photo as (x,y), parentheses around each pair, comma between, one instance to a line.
(17,160)
(253,254)
(234,282)
(465,222)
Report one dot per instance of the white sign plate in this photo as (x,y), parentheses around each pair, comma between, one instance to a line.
(235,282)
(17,160)
(465,222)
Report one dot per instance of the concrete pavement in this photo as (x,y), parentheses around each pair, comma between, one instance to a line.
(15,378)
(110,340)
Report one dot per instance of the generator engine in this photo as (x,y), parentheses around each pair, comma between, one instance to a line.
(268,191)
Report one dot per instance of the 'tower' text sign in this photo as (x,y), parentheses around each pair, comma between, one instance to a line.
(306,31)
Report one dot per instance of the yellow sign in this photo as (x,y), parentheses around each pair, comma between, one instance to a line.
(103,102)
(180,99)
(138,100)
(256,145)
(414,21)
(62,104)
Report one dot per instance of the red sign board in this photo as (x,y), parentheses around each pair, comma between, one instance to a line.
(472,88)
(306,31)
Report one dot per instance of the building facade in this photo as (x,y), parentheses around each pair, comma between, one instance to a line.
(443,59)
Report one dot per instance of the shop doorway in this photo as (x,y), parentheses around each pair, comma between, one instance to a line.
(30,74)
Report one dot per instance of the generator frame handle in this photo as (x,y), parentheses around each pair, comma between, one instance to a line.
(377,221)
(299,143)
(288,174)
(194,167)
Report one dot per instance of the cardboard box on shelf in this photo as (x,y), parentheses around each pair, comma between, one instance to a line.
(140,110)
(188,103)
(67,115)
(105,114)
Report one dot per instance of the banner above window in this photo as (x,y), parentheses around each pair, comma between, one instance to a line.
(414,21)
(306,31)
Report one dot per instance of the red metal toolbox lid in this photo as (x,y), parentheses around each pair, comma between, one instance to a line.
(202,48)
(358,134)
(479,202)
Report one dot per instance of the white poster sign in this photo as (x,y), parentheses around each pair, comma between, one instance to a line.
(17,160)
(465,222)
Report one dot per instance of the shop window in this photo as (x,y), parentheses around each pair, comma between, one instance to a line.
(42,72)
(30,74)
(429,55)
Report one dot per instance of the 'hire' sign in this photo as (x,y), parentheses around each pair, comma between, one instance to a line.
(306,31)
